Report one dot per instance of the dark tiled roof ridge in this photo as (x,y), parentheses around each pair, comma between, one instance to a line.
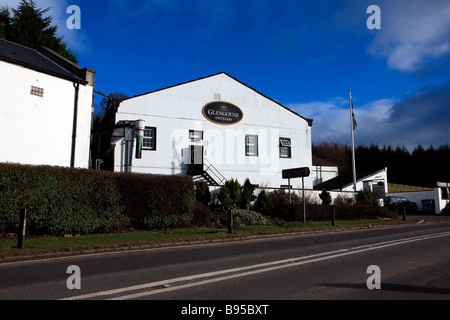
(31,58)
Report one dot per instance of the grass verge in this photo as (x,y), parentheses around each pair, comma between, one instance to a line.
(45,245)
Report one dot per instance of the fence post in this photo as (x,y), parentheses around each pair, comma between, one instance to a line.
(230,221)
(22,226)
(333,218)
(404,214)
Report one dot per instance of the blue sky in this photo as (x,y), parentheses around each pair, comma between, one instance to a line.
(303,54)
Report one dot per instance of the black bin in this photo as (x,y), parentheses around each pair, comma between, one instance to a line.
(428,206)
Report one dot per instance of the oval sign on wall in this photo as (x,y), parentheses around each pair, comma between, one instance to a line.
(223,113)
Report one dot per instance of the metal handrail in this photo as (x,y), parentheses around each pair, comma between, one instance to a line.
(215,172)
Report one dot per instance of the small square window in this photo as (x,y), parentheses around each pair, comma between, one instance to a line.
(35,91)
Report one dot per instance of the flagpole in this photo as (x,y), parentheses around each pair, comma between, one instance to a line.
(352,121)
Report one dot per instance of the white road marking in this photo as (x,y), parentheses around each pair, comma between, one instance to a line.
(165,285)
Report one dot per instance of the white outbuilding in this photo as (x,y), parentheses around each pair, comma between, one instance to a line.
(45,108)
(376,182)
(215,128)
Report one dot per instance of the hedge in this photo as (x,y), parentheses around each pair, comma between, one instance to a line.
(315,212)
(156,202)
(62,200)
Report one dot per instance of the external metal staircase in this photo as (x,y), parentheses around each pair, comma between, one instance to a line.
(209,174)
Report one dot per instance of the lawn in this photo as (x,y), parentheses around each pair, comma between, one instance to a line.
(44,245)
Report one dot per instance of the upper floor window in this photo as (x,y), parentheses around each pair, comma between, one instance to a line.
(195,136)
(285,148)
(251,146)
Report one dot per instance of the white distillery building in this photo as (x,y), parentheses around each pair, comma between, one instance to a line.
(45,108)
(215,128)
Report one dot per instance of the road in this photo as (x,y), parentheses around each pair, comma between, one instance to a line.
(413,263)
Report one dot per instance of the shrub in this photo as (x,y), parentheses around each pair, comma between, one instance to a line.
(281,197)
(248,218)
(202,193)
(230,194)
(247,195)
(325,196)
(202,215)
(365,197)
(263,204)
(343,201)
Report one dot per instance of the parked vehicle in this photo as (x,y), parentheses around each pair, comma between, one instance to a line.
(397,204)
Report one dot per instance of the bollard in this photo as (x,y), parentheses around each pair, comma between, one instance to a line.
(333,218)
(22,226)
(230,221)
(404,214)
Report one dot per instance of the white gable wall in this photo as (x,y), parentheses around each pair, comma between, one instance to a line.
(38,130)
(371,183)
(175,111)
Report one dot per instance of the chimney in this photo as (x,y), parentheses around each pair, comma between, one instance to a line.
(89,76)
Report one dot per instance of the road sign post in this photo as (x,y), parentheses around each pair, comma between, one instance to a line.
(297,173)
(304,201)
(22,231)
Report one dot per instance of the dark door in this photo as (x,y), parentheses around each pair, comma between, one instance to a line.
(196,166)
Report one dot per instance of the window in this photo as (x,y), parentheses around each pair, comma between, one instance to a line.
(35,91)
(285,148)
(251,146)
(149,139)
(195,136)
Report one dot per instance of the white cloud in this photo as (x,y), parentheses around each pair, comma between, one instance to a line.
(421,118)
(332,118)
(412,33)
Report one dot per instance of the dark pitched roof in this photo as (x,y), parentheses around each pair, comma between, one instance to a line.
(310,121)
(45,61)
(316,161)
(343,180)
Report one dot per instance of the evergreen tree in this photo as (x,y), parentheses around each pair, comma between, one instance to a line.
(29,27)
(5,23)
(421,167)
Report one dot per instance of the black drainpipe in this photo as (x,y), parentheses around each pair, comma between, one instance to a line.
(75,124)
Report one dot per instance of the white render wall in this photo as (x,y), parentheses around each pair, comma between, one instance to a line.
(38,130)
(418,196)
(369,182)
(324,173)
(175,111)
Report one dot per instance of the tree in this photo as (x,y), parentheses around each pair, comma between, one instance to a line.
(5,23)
(365,197)
(247,195)
(109,105)
(263,204)
(202,193)
(104,122)
(325,196)
(29,27)
(334,152)
(230,194)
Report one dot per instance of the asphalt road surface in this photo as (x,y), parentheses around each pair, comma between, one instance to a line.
(393,263)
